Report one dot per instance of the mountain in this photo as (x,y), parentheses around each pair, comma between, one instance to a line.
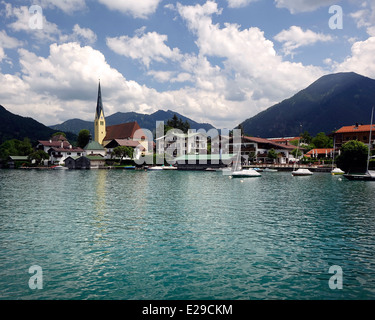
(17,127)
(326,105)
(146,121)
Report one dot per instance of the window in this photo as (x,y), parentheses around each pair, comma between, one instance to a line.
(102,123)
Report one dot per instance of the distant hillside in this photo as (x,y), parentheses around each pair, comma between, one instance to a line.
(328,104)
(17,127)
(146,121)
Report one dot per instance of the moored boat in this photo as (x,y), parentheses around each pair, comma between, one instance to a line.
(59,167)
(245,173)
(302,172)
(337,171)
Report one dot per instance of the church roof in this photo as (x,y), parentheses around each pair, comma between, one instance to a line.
(99,104)
(122,131)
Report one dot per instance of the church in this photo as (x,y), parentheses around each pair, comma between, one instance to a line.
(126,134)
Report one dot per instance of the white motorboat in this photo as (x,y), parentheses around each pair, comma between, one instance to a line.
(302,172)
(59,168)
(155,168)
(270,170)
(337,171)
(244,173)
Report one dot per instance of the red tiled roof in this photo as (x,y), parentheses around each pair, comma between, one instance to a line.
(54,144)
(68,149)
(278,140)
(355,128)
(320,151)
(123,131)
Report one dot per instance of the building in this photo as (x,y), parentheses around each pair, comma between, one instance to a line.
(204,161)
(59,148)
(99,124)
(257,149)
(320,153)
(139,149)
(95,148)
(178,143)
(85,162)
(357,132)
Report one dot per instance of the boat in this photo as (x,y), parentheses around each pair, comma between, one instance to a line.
(270,170)
(169,168)
(59,167)
(238,172)
(337,171)
(155,168)
(258,169)
(129,167)
(245,173)
(302,172)
(370,174)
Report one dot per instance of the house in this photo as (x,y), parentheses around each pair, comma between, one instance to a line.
(85,162)
(258,148)
(177,143)
(17,161)
(139,149)
(59,149)
(357,132)
(94,148)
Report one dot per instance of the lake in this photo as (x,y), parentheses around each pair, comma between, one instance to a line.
(121,234)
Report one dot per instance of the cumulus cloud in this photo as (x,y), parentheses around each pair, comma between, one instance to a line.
(82,35)
(295,6)
(144,47)
(365,17)
(138,9)
(362,59)
(295,37)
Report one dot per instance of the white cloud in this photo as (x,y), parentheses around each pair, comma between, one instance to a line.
(362,59)
(49,32)
(239,3)
(295,37)
(138,9)
(295,6)
(7,42)
(82,35)
(365,17)
(68,6)
(146,48)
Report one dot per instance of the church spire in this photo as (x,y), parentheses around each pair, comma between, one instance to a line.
(99,104)
(100,128)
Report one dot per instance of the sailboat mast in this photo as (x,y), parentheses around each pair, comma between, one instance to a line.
(369,143)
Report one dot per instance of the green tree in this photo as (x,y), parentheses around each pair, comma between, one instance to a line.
(83,138)
(296,153)
(15,147)
(177,123)
(59,134)
(272,155)
(38,156)
(306,138)
(322,141)
(123,151)
(353,156)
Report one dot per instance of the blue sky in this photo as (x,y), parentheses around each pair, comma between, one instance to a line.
(214,61)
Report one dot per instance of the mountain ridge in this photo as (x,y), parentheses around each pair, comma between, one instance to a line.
(146,121)
(332,101)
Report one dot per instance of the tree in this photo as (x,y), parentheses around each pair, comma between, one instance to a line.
(322,141)
(177,123)
(38,156)
(296,153)
(83,138)
(272,155)
(59,134)
(353,156)
(306,138)
(123,151)
(15,147)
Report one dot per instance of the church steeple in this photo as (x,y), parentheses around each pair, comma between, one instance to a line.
(100,128)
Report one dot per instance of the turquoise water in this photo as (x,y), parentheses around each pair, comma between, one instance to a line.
(113,234)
